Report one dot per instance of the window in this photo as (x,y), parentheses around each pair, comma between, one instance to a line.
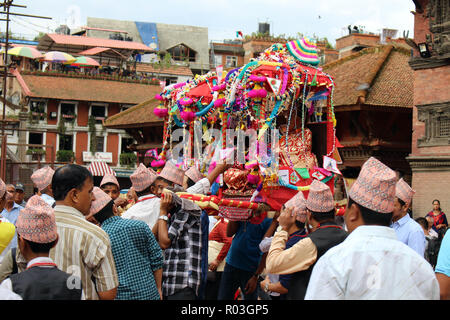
(68,111)
(182,53)
(436,117)
(231,62)
(99,144)
(65,142)
(217,60)
(126,143)
(37,106)
(36,152)
(35,138)
(99,113)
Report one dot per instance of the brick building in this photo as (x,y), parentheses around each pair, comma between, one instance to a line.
(229,54)
(65,112)
(430,153)
(354,42)
(373,107)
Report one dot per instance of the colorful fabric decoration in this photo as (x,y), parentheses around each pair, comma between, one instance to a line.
(304,50)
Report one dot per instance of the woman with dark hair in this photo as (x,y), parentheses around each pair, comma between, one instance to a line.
(439,217)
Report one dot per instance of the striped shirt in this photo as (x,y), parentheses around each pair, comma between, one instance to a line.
(83,249)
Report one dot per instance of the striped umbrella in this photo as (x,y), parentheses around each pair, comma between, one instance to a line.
(27,52)
(84,62)
(58,56)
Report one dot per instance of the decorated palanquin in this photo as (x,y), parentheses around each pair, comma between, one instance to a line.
(282,85)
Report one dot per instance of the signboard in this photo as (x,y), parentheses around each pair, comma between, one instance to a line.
(97,156)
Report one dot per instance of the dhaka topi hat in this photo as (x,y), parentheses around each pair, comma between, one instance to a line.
(298,205)
(42,178)
(109,178)
(320,198)
(194,174)
(101,200)
(2,188)
(172,173)
(403,191)
(374,188)
(36,222)
(142,178)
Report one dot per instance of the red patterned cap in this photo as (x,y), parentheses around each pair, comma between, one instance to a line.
(404,192)
(2,188)
(172,173)
(110,178)
(298,204)
(142,178)
(375,187)
(101,200)
(320,198)
(36,222)
(194,174)
(42,178)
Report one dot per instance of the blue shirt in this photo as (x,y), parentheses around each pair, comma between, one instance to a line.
(443,261)
(137,255)
(244,252)
(410,233)
(12,217)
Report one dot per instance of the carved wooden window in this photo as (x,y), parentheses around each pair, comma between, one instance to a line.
(444,127)
(436,117)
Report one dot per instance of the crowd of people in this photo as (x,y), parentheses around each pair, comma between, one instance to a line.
(73,240)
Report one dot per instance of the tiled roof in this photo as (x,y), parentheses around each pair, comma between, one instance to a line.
(136,116)
(383,69)
(175,70)
(62,39)
(83,89)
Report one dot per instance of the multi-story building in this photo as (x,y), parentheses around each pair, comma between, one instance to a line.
(228,53)
(430,154)
(187,45)
(58,115)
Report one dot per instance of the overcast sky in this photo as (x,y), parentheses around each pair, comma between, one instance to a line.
(321,18)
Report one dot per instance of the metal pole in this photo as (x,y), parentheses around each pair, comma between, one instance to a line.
(6,5)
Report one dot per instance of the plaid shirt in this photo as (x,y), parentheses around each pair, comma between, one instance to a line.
(137,255)
(182,260)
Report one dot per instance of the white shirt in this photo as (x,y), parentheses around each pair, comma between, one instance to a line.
(144,210)
(200,187)
(50,201)
(371,264)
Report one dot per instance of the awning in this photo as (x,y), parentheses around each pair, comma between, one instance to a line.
(100,168)
(93,51)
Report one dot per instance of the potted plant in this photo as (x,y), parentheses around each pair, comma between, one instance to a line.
(128,159)
(36,153)
(65,156)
